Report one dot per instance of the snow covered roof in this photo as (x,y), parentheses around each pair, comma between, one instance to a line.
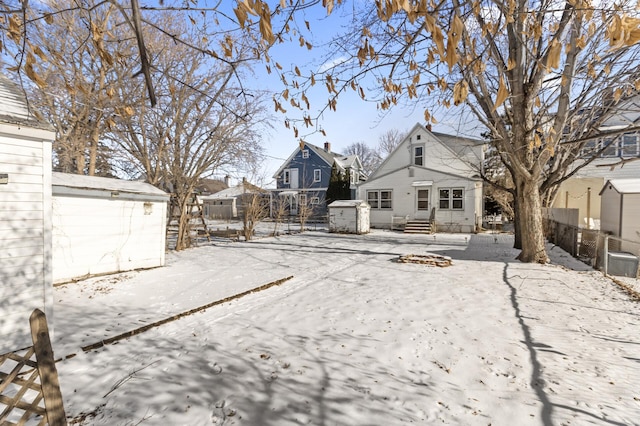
(14,108)
(233,192)
(68,180)
(624,186)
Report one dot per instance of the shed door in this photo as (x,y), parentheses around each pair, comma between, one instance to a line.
(422,203)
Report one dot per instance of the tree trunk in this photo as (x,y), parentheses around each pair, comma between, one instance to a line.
(529,218)
(517,240)
(184,239)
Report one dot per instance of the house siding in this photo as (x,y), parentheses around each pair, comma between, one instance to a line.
(25,235)
(306,167)
(442,168)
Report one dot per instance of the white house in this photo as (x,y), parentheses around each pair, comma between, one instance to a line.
(103,225)
(581,189)
(429,176)
(25,217)
(620,211)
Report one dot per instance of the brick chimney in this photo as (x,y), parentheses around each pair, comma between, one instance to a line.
(327,146)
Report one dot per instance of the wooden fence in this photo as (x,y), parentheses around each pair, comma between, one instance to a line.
(29,387)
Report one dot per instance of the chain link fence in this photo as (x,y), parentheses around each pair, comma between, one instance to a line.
(612,255)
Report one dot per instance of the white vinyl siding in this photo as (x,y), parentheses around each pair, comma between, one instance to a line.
(25,234)
(131,235)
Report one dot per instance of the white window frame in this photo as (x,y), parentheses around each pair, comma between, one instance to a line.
(451,200)
(315,200)
(416,156)
(317,175)
(377,202)
(305,153)
(302,200)
(286,177)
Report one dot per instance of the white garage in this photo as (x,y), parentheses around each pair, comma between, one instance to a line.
(103,225)
(25,217)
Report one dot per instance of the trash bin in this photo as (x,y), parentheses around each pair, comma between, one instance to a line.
(622,264)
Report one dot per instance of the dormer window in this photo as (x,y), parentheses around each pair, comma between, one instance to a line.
(418,155)
(305,153)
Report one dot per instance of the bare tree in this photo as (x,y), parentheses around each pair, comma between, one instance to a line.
(279,210)
(535,74)
(255,208)
(388,141)
(75,91)
(368,156)
(306,209)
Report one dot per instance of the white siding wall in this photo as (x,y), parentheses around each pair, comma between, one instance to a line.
(631,218)
(25,280)
(96,235)
(610,211)
(404,199)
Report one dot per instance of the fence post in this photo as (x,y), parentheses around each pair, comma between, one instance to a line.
(47,369)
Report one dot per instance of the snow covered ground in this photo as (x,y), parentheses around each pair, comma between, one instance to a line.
(354,338)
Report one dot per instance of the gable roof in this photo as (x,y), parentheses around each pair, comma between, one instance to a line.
(623,186)
(327,156)
(459,147)
(14,107)
(233,192)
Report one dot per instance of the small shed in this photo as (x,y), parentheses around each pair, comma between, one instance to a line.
(619,213)
(25,217)
(103,225)
(349,216)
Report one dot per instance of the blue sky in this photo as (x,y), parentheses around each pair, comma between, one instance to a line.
(355,120)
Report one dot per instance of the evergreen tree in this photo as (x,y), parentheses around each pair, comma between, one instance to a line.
(338,188)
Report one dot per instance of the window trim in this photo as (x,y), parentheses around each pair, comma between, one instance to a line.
(378,200)
(451,199)
(315,200)
(305,153)
(415,156)
(427,199)
(317,175)
(286,177)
